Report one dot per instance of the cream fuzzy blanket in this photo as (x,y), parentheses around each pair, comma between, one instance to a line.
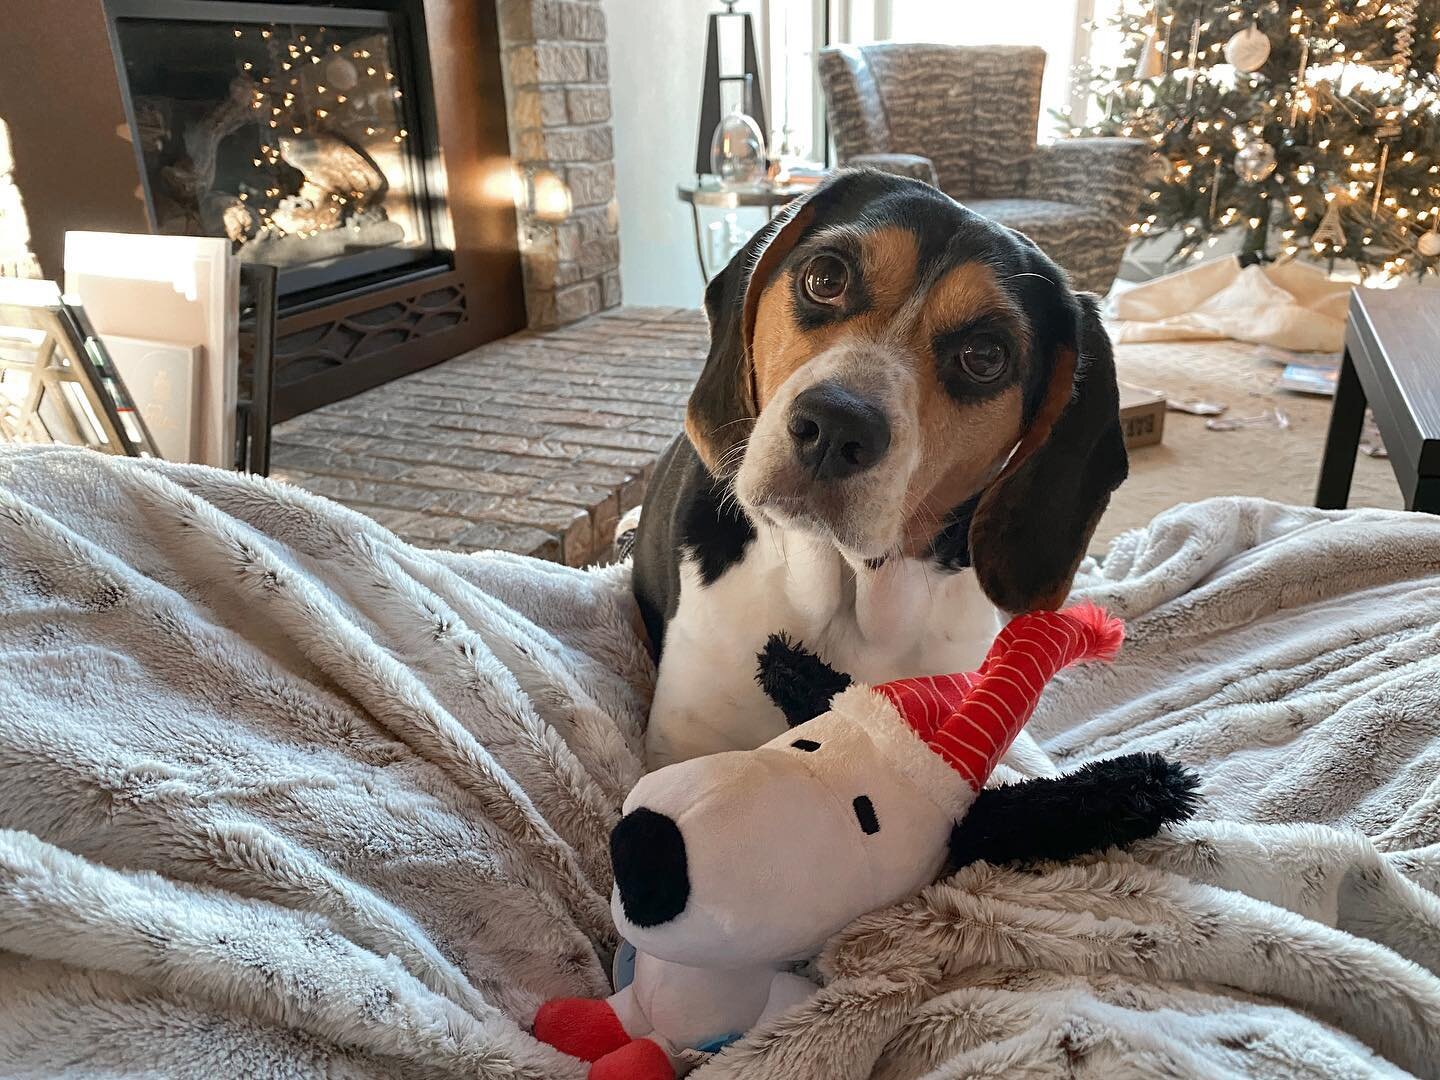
(281,796)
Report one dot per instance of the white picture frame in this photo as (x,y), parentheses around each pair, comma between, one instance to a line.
(175,290)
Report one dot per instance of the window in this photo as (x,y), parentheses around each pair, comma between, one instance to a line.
(794,29)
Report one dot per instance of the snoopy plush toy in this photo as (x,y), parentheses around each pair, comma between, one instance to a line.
(730,868)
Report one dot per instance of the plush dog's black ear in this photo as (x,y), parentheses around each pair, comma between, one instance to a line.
(723,406)
(1099,805)
(1034,522)
(796,680)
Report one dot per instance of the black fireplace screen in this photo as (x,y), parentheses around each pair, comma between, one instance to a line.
(290,130)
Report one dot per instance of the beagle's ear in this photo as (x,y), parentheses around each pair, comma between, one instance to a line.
(796,680)
(1100,805)
(1034,522)
(723,405)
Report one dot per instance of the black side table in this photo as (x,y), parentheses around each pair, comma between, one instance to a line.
(1392,363)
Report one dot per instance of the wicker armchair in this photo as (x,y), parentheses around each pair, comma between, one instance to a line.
(963,118)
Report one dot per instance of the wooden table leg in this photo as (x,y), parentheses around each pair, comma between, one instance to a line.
(1427,495)
(1337,467)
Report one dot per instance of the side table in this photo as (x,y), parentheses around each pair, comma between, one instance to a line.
(1392,363)
(708,193)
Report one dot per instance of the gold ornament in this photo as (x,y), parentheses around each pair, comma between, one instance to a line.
(1380,175)
(1194,62)
(1158,169)
(1429,243)
(1331,229)
(1248,49)
(1301,94)
(1151,62)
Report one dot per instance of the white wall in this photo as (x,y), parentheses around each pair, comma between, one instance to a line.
(657,58)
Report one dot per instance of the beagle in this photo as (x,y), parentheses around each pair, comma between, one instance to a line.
(907,423)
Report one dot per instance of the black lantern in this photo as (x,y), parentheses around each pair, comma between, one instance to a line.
(731,65)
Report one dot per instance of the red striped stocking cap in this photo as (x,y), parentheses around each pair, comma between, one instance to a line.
(970,720)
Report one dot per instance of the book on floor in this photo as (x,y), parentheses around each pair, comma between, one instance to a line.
(1308,379)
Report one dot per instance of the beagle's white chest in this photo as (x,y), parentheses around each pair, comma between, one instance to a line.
(903,618)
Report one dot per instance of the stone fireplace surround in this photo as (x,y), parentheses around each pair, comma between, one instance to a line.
(557,84)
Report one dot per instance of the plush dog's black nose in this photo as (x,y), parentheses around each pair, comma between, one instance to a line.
(836,433)
(648,854)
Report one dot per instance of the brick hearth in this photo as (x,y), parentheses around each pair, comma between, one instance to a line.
(536,443)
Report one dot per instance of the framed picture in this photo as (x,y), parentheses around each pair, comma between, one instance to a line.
(57,382)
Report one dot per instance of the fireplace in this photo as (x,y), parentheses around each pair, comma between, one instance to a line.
(327,139)
(296,132)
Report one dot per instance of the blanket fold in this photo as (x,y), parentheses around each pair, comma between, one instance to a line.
(283,796)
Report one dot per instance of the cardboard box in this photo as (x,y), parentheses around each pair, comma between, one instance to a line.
(1142,416)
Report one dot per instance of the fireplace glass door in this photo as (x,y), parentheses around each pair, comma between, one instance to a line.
(291,130)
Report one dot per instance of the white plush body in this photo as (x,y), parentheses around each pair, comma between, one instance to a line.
(906,618)
(680,1006)
(778,861)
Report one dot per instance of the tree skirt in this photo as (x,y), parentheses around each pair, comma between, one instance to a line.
(1287,305)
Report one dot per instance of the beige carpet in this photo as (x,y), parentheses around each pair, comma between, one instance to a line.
(1195,463)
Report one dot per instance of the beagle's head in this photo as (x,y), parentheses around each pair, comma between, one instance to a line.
(905,377)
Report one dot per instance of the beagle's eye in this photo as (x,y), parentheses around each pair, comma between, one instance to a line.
(984,357)
(865,815)
(826,279)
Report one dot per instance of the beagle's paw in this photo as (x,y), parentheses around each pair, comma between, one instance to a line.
(586,1028)
(642,1059)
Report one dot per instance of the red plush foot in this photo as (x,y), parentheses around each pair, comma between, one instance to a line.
(586,1028)
(641,1060)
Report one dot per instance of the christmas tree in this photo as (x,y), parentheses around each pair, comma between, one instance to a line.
(1313,125)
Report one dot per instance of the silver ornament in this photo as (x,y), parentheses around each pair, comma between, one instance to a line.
(1254,161)
(1248,49)
(1429,244)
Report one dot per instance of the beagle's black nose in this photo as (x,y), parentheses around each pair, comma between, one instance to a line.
(837,433)
(648,854)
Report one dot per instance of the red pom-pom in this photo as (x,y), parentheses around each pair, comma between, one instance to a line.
(1104,633)
(586,1028)
(641,1060)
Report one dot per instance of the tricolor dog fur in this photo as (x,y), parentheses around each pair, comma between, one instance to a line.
(732,866)
(907,424)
